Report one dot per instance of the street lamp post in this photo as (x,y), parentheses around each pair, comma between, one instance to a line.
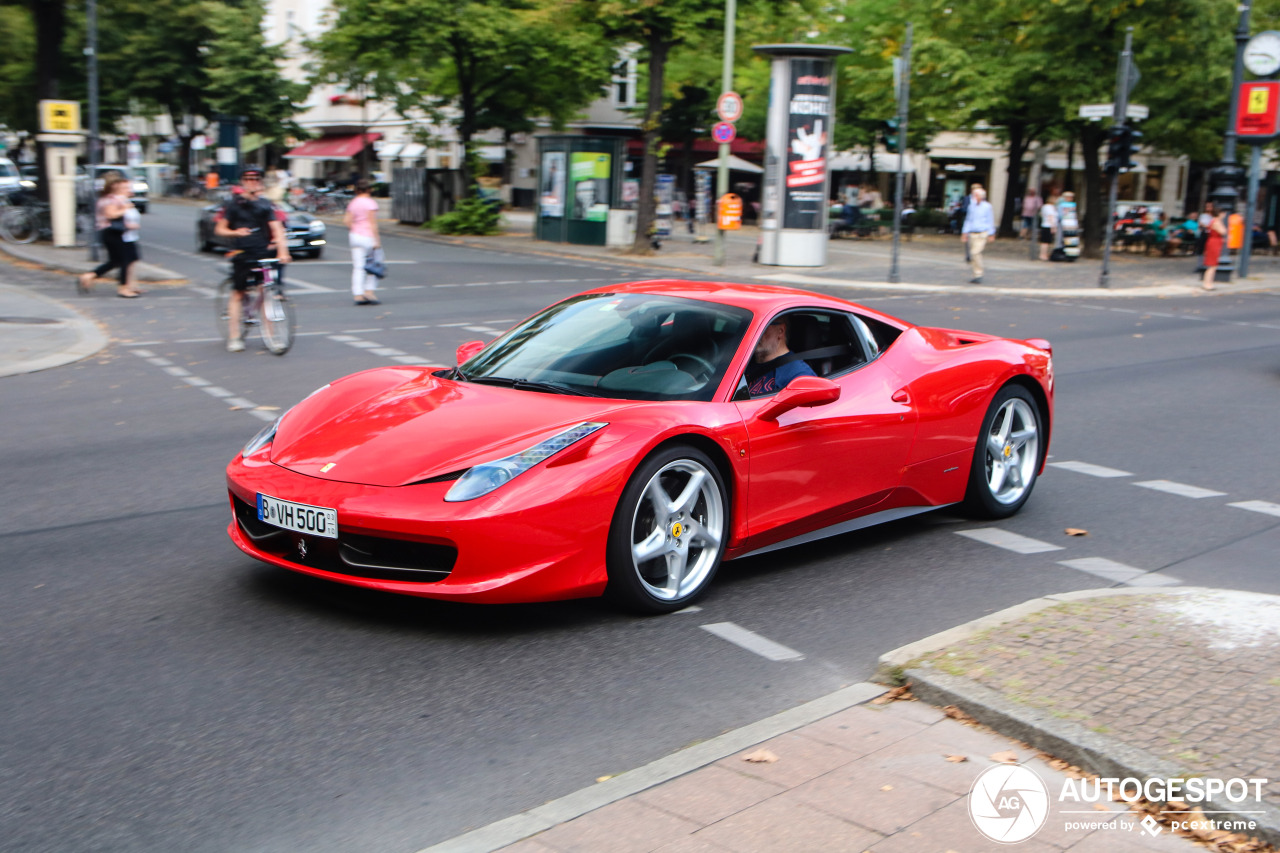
(1227,176)
(726,85)
(91,51)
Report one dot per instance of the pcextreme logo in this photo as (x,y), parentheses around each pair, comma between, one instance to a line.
(1008,803)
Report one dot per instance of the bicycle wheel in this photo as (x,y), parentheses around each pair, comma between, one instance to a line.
(278,320)
(220,303)
(19,225)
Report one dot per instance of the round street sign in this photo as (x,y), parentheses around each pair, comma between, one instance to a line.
(729,106)
(723,132)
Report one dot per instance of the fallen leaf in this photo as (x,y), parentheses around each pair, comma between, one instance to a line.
(886,787)
(957,759)
(1007,756)
(760,756)
(897,694)
(1076,531)
(1137,336)
(604,778)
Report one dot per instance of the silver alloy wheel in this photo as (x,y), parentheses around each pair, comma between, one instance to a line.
(1013,451)
(676,530)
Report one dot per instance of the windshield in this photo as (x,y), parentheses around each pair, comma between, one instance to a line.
(633,346)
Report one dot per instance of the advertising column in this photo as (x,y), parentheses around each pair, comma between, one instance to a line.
(793,216)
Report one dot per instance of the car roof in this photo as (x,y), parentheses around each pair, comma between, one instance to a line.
(760,299)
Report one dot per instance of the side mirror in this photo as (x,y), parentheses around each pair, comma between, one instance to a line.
(803,392)
(467,350)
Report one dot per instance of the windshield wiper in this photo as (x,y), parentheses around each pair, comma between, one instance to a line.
(530,385)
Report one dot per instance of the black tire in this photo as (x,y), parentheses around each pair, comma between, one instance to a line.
(19,225)
(694,534)
(202,242)
(1011,436)
(317,254)
(220,311)
(278,321)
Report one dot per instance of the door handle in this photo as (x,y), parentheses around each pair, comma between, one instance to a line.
(901,396)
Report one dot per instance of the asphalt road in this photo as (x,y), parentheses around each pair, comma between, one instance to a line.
(160,691)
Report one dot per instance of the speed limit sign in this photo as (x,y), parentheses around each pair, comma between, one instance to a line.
(729,106)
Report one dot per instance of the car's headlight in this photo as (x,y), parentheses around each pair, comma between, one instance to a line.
(484,478)
(263,438)
(316,226)
(141,187)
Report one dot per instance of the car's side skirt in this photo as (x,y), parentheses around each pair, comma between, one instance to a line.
(849,526)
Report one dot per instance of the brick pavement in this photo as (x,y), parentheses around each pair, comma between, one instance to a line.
(1146,671)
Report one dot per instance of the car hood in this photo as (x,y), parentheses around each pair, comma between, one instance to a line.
(394,426)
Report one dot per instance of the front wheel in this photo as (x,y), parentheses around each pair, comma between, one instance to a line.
(1007,458)
(668,532)
(278,320)
(19,225)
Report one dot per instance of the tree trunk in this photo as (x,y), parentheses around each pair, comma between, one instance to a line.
(1069,179)
(50,20)
(1095,204)
(658,49)
(1009,217)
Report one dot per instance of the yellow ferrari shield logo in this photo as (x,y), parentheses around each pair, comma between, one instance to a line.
(1008,451)
(677,529)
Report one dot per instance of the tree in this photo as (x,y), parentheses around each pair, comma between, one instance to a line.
(477,64)
(244,72)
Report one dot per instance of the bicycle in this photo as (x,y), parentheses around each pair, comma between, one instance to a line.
(23,223)
(263,305)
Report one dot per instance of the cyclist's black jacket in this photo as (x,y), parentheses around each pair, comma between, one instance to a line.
(240,212)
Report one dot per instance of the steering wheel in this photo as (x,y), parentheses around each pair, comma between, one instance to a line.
(705,368)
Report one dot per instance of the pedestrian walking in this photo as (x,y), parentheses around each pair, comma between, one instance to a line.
(115,217)
(361,219)
(1031,205)
(1216,236)
(1048,227)
(979,229)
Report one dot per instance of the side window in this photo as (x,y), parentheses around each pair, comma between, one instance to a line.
(825,344)
(879,335)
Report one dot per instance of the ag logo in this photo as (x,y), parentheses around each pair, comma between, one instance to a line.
(1008,803)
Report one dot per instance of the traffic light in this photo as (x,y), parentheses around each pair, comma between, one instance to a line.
(890,129)
(1122,143)
(1132,144)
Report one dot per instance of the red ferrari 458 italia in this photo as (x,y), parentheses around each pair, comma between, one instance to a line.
(625,441)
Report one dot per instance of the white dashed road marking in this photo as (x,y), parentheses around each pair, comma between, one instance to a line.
(752,641)
(1179,489)
(206,386)
(1090,469)
(1119,572)
(1265,507)
(1008,541)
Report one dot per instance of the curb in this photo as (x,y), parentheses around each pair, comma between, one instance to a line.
(89,339)
(519,827)
(147,272)
(1094,752)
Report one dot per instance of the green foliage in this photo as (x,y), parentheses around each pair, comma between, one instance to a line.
(473,216)
(17,68)
(477,64)
(244,72)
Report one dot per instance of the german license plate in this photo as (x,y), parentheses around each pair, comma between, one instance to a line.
(301,518)
(294,244)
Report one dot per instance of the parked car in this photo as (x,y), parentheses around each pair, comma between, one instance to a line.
(10,180)
(140,190)
(305,232)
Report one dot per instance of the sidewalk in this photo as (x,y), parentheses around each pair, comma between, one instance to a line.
(1174,683)
(37,332)
(928,263)
(76,260)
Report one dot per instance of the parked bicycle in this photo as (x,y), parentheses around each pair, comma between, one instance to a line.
(263,305)
(26,221)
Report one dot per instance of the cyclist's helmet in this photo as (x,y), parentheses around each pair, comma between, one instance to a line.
(251,172)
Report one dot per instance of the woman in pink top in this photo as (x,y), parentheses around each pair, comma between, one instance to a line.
(361,220)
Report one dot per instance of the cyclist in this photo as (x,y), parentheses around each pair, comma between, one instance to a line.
(250,219)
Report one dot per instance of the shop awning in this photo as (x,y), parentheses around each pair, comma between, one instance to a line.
(736,164)
(334,146)
(389,150)
(412,151)
(859,163)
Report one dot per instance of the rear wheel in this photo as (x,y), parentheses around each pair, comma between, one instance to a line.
(220,303)
(1007,458)
(278,321)
(668,533)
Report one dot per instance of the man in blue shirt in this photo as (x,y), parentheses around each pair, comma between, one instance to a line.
(979,229)
(772,346)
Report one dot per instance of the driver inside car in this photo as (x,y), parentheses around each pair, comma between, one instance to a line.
(771,356)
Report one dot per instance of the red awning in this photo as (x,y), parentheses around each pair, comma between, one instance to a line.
(335,146)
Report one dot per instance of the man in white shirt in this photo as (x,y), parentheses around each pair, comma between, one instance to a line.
(979,229)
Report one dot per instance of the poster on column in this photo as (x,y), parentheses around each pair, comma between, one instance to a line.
(808,131)
(551,181)
(590,172)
